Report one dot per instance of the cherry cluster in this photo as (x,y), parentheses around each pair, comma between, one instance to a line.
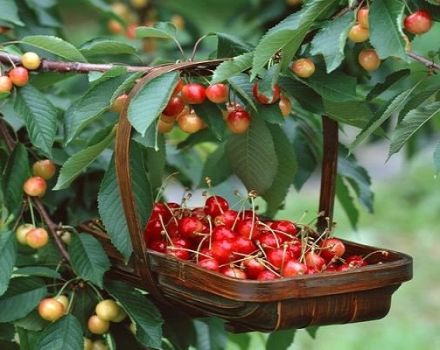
(243,245)
(19,76)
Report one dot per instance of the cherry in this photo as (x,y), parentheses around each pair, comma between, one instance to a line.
(35,186)
(158,246)
(5,84)
(160,209)
(362,17)
(369,60)
(22,231)
(44,168)
(30,60)
(358,34)
(303,67)
(188,226)
(221,250)
(50,309)
(294,2)
(178,252)
(115,26)
(174,107)
(122,315)
(332,248)
(216,205)
(285,106)
(199,213)
(344,267)
(178,87)
(233,272)
(266,276)
(181,242)
(222,232)
(99,345)
(285,226)
(263,99)
(278,256)
(97,326)
(190,122)
(248,228)
(173,229)
(227,218)
(63,300)
(153,230)
(293,268)
(19,76)
(244,245)
(37,238)
(209,264)
(253,268)
(268,240)
(119,103)
(107,310)
(419,22)
(238,121)
(193,93)
(294,247)
(217,93)
(355,261)
(314,261)
(130,33)
(164,127)
(331,268)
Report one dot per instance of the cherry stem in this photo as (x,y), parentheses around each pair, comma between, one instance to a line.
(165,230)
(66,284)
(164,185)
(31,210)
(72,299)
(268,266)
(97,292)
(383,252)
(196,45)
(272,231)
(191,251)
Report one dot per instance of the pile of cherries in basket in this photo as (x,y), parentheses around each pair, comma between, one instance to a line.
(242,245)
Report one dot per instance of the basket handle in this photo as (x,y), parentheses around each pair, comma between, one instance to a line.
(328,173)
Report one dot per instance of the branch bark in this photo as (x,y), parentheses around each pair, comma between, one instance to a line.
(428,63)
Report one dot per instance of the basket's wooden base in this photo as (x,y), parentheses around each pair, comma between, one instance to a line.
(321,299)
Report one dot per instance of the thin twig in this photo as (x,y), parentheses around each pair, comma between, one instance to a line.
(428,63)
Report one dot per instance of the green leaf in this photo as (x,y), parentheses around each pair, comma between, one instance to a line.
(312,330)
(418,99)
(330,41)
(156,163)
(39,115)
(7,331)
(210,334)
(89,259)
(32,322)
(8,257)
(394,106)
(231,68)
(389,80)
(84,305)
(212,115)
(150,101)
(280,340)
(16,173)
(411,123)
(141,310)
(436,157)
(161,30)
(347,203)
(216,167)
(77,163)
(289,34)
(91,106)
(9,12)
(271,113)
(302,93)
(22,296)
(253,158)
(385,21)
(355,113)
(40,271)
(56,46)
(231,46)
(336,86)
(287,167)
(241,85)
(105,47)
(64,334)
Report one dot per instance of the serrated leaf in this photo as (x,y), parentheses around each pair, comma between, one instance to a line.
(155,32)
(39,115)
(141,310)
(40,271)
(91,106)
(336,86)
(88,258)
(271,113)
(288,34)
(150,101)
(411,123)
(231,68)
(241,85)
(436,157)
(216,167)
(330,41)
(213,117)
(281,340)
(286,171)
(22,296)
(355,113)
(253,158)
(77,163)
(156,162)
(394,106)
(104,47)
(110,204)
(417,99)
(64,334)
(56,46)
(305,96)
(210,334)
(16,173)
(231,46)
(32,322)
(8,257)
(347,202)
(9,12)
(389,80)
(385,22)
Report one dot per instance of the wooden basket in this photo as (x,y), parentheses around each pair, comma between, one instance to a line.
(319,299)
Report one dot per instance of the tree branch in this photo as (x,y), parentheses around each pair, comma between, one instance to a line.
(428,63)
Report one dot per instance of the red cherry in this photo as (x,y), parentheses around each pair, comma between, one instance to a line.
(248,228)
(331,268)
(221,250)
(266,276)
(263,99)
(153,230)
(5,84)
(244,246)
(238,121)
(419,22)
(173,229)
(268,240)
(332,248)
(209,264)
(278,256)
(160,210)
(249,214)
(314,261)
(193,93)
(188,226)
(253,268)
(174,107)
(285,226)
(355,261)
(178,87)
(178,252)
(293,268)
(158,246)
(217,93)
(19,76)
(344,267)
(199,213)
(35,186)
(295,248)
(233,272)
(216,205)
(222,232)
(181,242)
(227,218)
